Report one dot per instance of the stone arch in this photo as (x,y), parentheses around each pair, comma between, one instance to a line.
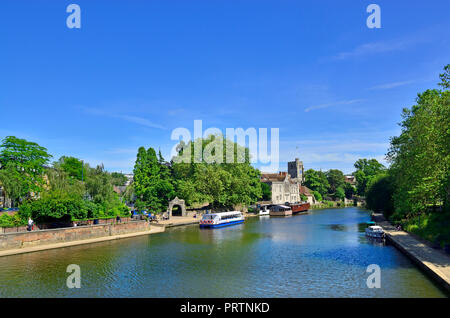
(178,202)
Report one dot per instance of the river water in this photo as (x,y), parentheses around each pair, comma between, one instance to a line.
(321,254)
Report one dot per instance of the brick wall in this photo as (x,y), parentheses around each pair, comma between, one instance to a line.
(52,236)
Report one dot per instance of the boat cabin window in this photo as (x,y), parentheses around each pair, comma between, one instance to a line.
(231,216)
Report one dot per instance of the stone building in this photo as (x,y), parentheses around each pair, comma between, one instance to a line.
(284,188)
(351,180)
(308,193)
(296,170)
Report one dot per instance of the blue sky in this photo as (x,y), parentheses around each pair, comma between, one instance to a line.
(138,69)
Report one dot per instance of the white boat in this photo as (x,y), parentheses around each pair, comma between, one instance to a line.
(375,231)
(214,220)
(264,211)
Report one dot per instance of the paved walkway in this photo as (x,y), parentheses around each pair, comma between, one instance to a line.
(435,262)
(153,230)
(179,220)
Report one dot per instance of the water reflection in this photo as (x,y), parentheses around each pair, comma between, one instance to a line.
(321,254)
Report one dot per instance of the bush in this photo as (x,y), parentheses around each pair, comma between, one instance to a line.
(317,196)
(11,220)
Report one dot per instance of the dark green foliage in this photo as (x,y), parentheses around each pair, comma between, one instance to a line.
(379,194)
(349,190)
(317,196)
(24,163)
(366,169)
(152,184)
(266,192)
(335,179)
(73,167)
(215,179)
(340,193)
(317,181)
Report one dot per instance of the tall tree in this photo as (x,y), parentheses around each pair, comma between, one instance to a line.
(28,159)
(13,184)
(420,156)
(72,166)
(336,179)
(317,181)
(224,177)
(152,185)
(366,169)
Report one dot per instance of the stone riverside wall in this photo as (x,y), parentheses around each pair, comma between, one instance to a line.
(52,236)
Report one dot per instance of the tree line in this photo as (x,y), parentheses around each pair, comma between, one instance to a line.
(332,184)
(65,190)
(415,190)
(198,182)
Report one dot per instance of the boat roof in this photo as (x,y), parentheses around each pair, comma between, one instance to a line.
(376,227)
(224,213)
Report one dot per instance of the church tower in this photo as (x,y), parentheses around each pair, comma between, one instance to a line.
(295,169)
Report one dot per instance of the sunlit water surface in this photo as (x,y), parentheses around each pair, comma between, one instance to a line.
(322,254)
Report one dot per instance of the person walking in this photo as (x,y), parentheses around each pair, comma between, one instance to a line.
(30,224)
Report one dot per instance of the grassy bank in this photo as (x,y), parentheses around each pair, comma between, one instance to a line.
(433,227)
(328,205)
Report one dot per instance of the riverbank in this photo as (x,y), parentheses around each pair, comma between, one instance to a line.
(434,262)
(152,230)
(28,242)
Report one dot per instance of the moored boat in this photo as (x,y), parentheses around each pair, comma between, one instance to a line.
(280,210)
(300,207)
(264,211)
(221,219)
(375,231)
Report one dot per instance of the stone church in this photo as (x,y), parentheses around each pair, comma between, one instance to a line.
(287,186)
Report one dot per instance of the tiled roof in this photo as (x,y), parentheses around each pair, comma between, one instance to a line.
(273,177)
(305,190)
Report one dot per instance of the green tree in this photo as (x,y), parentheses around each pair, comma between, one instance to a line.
(28,159)
(366,169)
(349,190)
(13,184)
(152,181)
(445,77)
(118,179)
(420,156)
(317,196)
(317,181)
(379,194)
(340,193)
(336,179)
(99,187)
(214,179)
(72,166)
(266,192)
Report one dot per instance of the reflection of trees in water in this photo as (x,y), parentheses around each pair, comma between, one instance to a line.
(45,271)
(211,248)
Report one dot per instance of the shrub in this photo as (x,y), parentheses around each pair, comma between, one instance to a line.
(11,220)
(317,196)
